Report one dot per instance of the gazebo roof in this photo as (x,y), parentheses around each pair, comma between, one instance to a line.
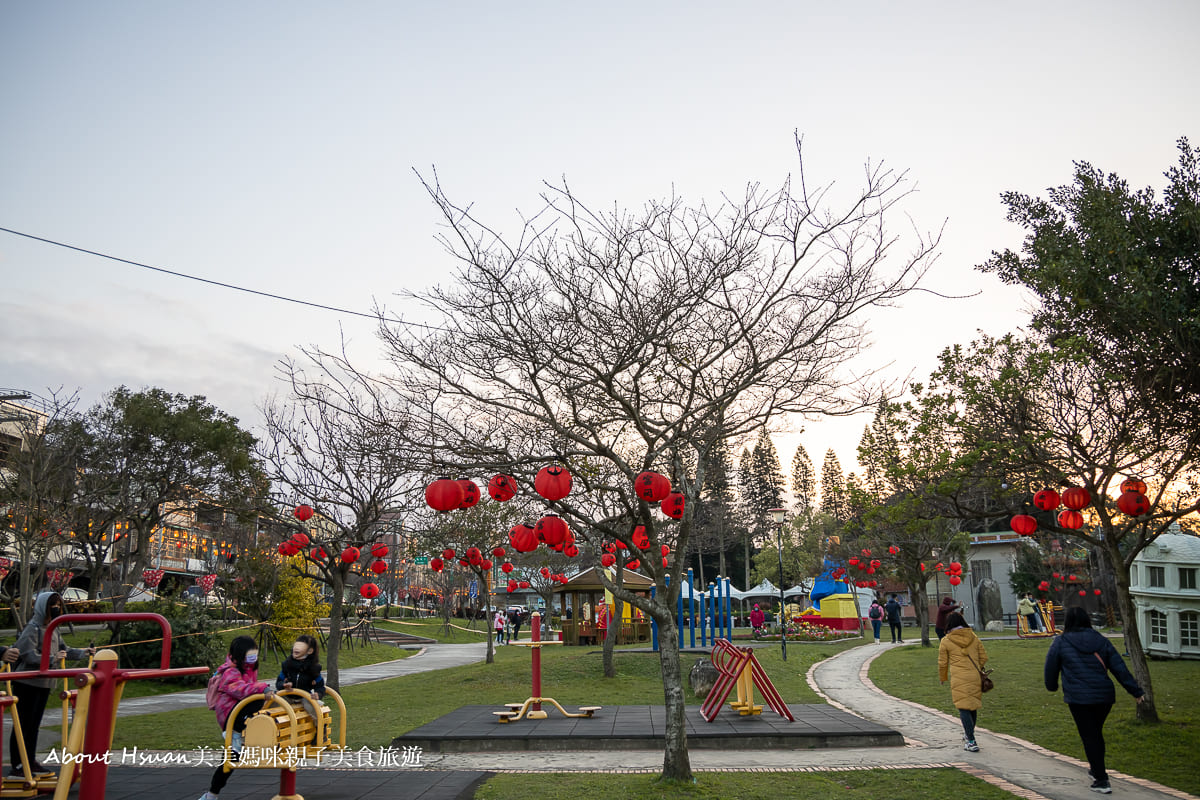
(588,581)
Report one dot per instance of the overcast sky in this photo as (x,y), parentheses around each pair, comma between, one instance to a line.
(273,146)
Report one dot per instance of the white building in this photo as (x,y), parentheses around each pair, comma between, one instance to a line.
(1163,582)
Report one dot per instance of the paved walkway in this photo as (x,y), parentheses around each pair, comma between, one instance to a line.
(934,739)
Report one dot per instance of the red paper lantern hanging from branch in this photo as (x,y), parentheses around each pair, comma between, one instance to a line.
(553,482)
(955,580)
(672,505)
(512,586)
(303,513)
(639,539)
(470,492)
(506,567)
(486,565)
(570,551)
(436,564)
(350,555)
(1133,485)
(152,577)
(1024,524)
(448,554)
(1083,593)
(651,486)
(551,529)
(301,539)
(1133,504)
(369,591)
(634,565)
(1096,592)
(1076,498)
(523,538)
(1046,500)
(1044,586)
(498,552)
(379,550)
(502,488)
(379,566)
(444,495)
(523,584)
(1070,519)
(318,554)
(607,560)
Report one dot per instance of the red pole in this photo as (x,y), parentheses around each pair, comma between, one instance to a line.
(93,775)
(287,783)
(536,622)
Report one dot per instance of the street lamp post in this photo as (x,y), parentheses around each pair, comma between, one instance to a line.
(779,516)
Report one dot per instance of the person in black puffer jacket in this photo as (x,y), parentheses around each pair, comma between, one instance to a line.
(1084,658)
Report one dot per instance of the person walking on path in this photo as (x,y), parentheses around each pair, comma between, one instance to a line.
(893,618)
(875,614)
(948,606)
(514,618)
(960,659)
(1084,658)
(1027,609)
(498,626)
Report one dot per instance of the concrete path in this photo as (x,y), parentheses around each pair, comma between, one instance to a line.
(934,739)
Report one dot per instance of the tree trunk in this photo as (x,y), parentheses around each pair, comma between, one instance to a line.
(677,764)
(334,643)
(1146,712)
(614,628)
(921,605)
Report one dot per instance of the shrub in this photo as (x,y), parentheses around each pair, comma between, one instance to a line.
(297,606)
(193,639)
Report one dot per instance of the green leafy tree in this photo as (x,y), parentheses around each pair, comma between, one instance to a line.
(296,602)
(1118,271)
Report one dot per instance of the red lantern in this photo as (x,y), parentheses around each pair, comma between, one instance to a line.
(303,513)
(666,551)
(545,572)
(301,539)
(639,538)
(922,566)
(523,538)
(853,560)
(938,566)
(350,555)
(1082,593)
(955,580)
(285,549)
(502,488)
(870,570)
(553,482)
(470,492)
(651,486)
(570,551)
(1046,500)
(506,567)
(892,550)
(318,554)
(1024,524)
(1072,520)
(634,565)
(1056,576)
(866,552)
(486,565)
(551,529)
(379,566)
(523,584)
(1133,504)
(672,505)
(369,591)
(379,550)
(436,564)
(607,560)
(1044,586)
(1072,578)
(664,563)
(955,567)
(475,560)
(1096,592)
(512,585)
(1133,485)
(444,495)
(498,552)
(448,554)
(1076,498)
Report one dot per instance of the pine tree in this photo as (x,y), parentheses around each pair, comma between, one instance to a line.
(833,487)
(768,476)
(804,482)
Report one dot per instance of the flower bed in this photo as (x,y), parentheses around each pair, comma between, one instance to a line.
(808,632)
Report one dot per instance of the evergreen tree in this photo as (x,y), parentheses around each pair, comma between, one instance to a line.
(768,476)
(833,488)
(804,482)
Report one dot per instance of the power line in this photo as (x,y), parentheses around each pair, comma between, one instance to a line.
(195,277)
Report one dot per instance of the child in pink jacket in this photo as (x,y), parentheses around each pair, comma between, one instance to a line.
(237,680)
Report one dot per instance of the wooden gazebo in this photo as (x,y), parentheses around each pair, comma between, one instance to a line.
(583,597)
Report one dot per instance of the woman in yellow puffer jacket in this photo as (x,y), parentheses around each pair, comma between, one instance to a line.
(960,657)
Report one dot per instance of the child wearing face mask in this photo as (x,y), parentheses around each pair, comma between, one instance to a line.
(302,671)
(238,679)
(32,693)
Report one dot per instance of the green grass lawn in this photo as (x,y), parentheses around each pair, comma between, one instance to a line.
(1021,706)
(382,710)
(900,784)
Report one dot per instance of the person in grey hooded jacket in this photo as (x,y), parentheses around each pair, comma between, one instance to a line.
(1084,658)
(32,693)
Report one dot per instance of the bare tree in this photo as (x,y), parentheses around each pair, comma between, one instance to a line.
(338,446)
(615,342)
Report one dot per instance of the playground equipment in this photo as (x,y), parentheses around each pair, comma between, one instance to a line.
(1045,612)
(712,607)
(281,734)
(90,735)
(737,666)
(531,708)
